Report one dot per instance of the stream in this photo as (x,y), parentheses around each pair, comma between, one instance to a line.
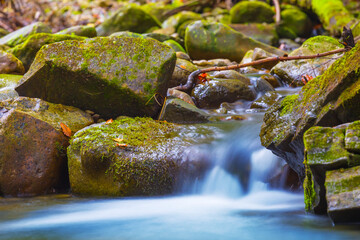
(222,205)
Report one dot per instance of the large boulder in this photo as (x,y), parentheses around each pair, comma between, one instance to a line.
(26,51)
(128,18)
(176,20)
(21,34)
(291,72)
(79,30)
(130,157)
(295,21)
(111,76)
(205,40)
(33,146)
(9,64)
(251,11)
(262,32)
(328,100)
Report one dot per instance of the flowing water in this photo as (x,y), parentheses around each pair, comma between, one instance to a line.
(230,202)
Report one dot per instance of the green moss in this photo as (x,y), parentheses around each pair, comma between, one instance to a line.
(288,104)
(342,180)
(309,190)
(251,11)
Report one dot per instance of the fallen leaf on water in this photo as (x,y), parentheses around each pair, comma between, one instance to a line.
(118,139)
(66,130)
(109,121)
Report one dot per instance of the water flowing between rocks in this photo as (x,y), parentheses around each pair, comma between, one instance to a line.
(221,205)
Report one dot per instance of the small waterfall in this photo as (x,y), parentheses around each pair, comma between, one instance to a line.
(240,165)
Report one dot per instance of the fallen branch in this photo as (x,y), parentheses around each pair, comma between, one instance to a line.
(277,11)
(192,77)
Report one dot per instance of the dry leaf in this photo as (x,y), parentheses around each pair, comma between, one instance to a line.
(66,130)
(122,145)
(109,121)
(118,139)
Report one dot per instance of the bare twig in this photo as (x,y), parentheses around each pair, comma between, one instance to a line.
(192,77)
(277,11)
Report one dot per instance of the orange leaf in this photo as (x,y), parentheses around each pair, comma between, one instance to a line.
(182,66)
(66,130)
(122,145)
(118,139)
(109,121)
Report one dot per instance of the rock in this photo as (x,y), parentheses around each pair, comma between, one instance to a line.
(214,92)
(352,137)
(262,32)
(21,34)
(158,36)
(288,45)
(127,34)
(157,9)
(267,100)
(118,159)
(80,30)
(181,95)
(178,111)
(274,82)
(328,100)
(261,85)
(8,93)
(174,45)
(3,32)
(9,80)
(128,18)
(33,157)
(111,76)
(291,72)
(181,72)
(296,21)
(342,194)
(258,54)
(220,62)
(214,40)
(9,64)
(176,20)
(230,74)
(247,11)
(182,55)
(26,51)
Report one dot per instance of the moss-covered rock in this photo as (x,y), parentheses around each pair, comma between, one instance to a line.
(328,100)
(128,157)
(21,34)
(178,111)
(251,11)
(342,194)
(352,137)
(33,155)
(205,40)
(176,20)
(9,64)
(80,30)
(3,32)
(291,72)
(157,9)
(174,45)
(214,92)
(9,80)
(111,76)
(296,21)
(181,72)
(127,34)
(266,101)
(26,51)
(262,32)
(128,18)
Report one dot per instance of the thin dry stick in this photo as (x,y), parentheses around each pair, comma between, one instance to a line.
(277,11)
(191,79)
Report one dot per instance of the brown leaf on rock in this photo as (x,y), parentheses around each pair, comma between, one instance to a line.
(66,130)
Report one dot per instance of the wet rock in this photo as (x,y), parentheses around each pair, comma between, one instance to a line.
(214,40)
(118,159)
(271,79)
(267,100)
(288,45)
(261,86)
(182,55)
(111,76)
(230,74)
(251,11)
(214,92)
(179,111)
(9,64)
(33,156)
(128,18)
(80,30)
(296,21)
(328,101)
(262,32)
(176,20)
(291,72)
(181,72)
(26,51)
(258,54)
(181,95)
(7,85)
(21,34)
(342,194)
(352,137)
(8,93)
(220,62)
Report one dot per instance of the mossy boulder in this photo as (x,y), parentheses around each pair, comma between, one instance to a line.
(214,92)
(21,34)
(127,34)
(178,111)
(251,11)
(33,157)
(176,20)
(328,100)
(157,9)
(26,51)
(80,30)
(174,45)
(262,32)
(296,21)
(291,72)
(9,64)
(111,76)
(205,40)
(128,18)
(128,157)
(342,194)
(352,137)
